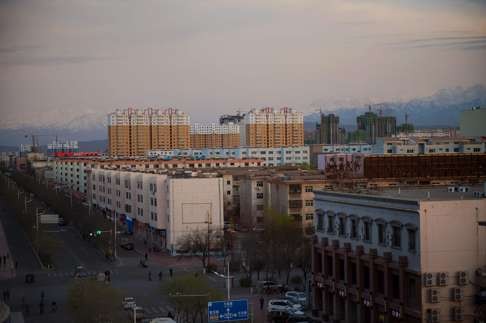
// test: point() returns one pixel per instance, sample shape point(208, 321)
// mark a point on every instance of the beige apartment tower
point(215, 136)
point(268, 127)
point(133, 132)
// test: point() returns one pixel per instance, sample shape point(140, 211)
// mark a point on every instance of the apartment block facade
point(272, 156)
point(132, 132)
point(73, 172)
point(428, 146)
point(215, 135)
point(268, 127)
point(401, 255)
point(160, 207)
point(375, 126)
point(328, 131)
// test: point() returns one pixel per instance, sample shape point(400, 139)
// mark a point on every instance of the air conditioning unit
point(457, 314)
point(462, 278)
point(428, 279)
point(434, 295)
point(442, 278)
point(451, 189)
point(433, 315)
point(457, 294)
point(463, 189)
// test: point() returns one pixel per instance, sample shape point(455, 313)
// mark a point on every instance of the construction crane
point(35, 140)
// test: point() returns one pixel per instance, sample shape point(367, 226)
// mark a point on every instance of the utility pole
point(114, 234)
point(207, 241)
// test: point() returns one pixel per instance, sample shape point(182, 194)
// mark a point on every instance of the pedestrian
point(42, 296)
point(160, 275)
point(4, 294)
point(41, 308)
point(262, 302)
point(146, 256)
point(149, 275)
point(7, 293)
point(4, 260)
point(22, 301)
point(170, 272)
point(16, 264)
point(53, 307)
point(169, 315)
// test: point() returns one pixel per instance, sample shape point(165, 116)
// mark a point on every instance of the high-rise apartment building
point(268, 127)
point(132, 132)
point(215, 135)
point(328, 131)
point(376, 126)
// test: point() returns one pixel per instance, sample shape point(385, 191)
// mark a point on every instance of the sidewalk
point(7, 271)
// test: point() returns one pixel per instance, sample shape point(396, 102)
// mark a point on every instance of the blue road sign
point(234, 310)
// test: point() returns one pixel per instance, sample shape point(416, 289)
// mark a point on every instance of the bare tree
point(200, 243)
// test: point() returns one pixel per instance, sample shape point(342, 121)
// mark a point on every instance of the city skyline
point(61, 59)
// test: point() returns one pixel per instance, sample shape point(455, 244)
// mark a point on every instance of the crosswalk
point(60, 274)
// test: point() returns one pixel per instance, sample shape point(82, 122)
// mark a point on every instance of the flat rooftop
point(422, 193)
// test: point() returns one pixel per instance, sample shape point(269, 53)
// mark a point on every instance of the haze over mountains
point(441, 109)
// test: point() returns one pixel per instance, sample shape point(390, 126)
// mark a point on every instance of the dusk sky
point(60, 59)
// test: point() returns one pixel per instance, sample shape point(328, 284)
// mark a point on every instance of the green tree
point(189, 295)
point(93, 301)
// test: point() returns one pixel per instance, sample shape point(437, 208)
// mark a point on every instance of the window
point(259, 196)
point(153, 187)
point(342, 226)
point(94, 187)
point(140, 198)
point(259, 183)
point(396, 236)
point(128, 195)
point(354, 228)
point(308, 189)
point(320, 221)
point(366, 230)
point(381, 233)
point(117, 180)
point(309, 203)
point(139, 211)
point(139, 185)
point(412, 236)
point(309, 216)
point(228, 182)
point(118, 193)
point(128, 208)
point(260, 207)
point(330, 224)
point(228, 192)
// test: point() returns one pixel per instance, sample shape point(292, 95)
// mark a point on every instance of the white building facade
point(161, 208)
point(272, 156)
point(399, 256)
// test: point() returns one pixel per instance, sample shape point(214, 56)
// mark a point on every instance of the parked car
point(297, 297)
point(128, 246)
point(128, 303)
point(279, 305)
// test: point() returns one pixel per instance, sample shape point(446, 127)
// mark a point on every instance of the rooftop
point(423, 193)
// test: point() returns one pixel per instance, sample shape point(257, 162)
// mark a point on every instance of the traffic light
point(91, 234)
point(98, 232)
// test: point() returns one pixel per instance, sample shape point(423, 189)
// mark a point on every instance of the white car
point(296, 297)
point(283, 305)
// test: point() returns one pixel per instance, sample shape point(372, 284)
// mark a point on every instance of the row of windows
point(386, 233)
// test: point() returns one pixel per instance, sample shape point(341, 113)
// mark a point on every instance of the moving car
point(269, 286)
point(80, 272)
point(127, 246)
point(296, 297)
point(139, 311)
point(128, 303)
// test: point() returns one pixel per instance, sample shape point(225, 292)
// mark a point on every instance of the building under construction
point(426, 166)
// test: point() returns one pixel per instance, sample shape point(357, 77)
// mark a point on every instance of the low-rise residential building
point(294, 195)
point(428, 146)
point(400, 255)
point(271, 156)
point(160, 206)
point(72, 172)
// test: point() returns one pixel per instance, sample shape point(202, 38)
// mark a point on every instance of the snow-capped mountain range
point(441, 109)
